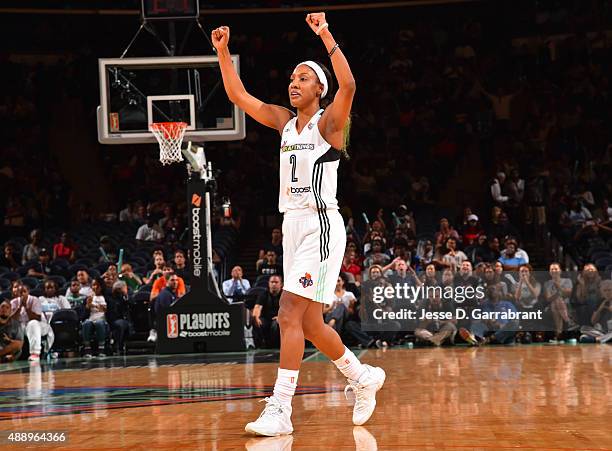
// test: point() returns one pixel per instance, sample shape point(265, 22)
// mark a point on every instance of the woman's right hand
point(220, 37)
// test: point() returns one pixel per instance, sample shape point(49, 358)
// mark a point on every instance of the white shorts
point(313, 249)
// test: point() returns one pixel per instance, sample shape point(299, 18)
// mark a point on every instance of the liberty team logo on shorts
point(306, 281)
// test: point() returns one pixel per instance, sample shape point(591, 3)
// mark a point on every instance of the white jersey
point(308, 168)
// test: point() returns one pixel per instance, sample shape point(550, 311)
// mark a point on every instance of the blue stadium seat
point(65, 324)
point(5, 284)
point(139, 313)
point(101, 267)
point(37, 292)
point(61, 263)
point(30, 282)
point(597, 248)
point(85, 261)
point(138, 261)
point(146, 256)
point(23, 270)
point(18, 240)
point(11, 275)
point(262, 281)
point(93, 273)
point(252, 296)
point(602, 263)
point(601, 254)
point(73, 269)
point(60, 281)
point(141, 296)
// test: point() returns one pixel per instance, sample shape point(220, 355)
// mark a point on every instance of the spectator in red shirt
point(351, 246)
point(161, 283)
point(349, 265)
point(471, 231)
point(65, 248)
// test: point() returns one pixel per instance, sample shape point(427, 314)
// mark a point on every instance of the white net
point(170, 137)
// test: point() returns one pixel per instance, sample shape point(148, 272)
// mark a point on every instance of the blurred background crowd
point(480, 154)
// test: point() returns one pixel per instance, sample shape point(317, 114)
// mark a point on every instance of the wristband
point(331, 52)
point(321, 28)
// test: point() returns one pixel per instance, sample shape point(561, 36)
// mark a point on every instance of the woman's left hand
point(316, 21)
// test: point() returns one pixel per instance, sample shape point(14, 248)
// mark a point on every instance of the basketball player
point(314, 237)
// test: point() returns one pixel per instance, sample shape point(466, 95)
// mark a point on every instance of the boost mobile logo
point(298, 190)
point(193, 325)
point(196, 201)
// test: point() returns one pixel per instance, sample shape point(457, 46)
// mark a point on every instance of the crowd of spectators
point(107, 289)
point(484, 256)
point(531, 109)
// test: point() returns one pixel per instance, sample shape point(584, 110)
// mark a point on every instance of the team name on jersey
point(293, 147)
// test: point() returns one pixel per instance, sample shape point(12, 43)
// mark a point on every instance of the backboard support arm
point(195, 156)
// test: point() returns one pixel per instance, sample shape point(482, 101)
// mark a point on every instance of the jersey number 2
point(293, 161)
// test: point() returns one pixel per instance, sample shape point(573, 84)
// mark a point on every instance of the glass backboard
point(135, 92)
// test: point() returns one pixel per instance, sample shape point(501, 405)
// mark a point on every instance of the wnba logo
point(172, 326)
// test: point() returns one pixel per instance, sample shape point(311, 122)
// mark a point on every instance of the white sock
point(284, 388)
point(349, 365)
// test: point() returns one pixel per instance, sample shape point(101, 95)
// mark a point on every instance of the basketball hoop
point(170, 137)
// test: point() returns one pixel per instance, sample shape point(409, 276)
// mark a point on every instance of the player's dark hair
point(328, 100)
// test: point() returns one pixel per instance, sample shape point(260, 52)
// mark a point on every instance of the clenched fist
point(316, 21)
point(220, 37)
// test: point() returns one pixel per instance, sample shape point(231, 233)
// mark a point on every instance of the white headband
point(320, 74)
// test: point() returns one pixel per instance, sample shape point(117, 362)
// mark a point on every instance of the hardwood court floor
point(523, 397)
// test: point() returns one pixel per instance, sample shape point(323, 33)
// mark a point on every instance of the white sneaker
point(280, 443)
point(605, 338)
point(364, 393)
point(152, 336)
point(34, 358)
point(274, 420)
point(364, 441)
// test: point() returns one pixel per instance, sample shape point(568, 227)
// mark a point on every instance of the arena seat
point(30, 282)
point(37, 292)
point(23, 270)
point(5, 284)
point(602, 263)
point(262, 281)
point(601, 254)
point(59, 280)
point(66, 326)
point(11, 275)
point(136, 260)
point(85, 261)
point(73, 269)
point(252, 295)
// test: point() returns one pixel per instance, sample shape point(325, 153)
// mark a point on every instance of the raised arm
point(272, 116)
point(337, 114)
